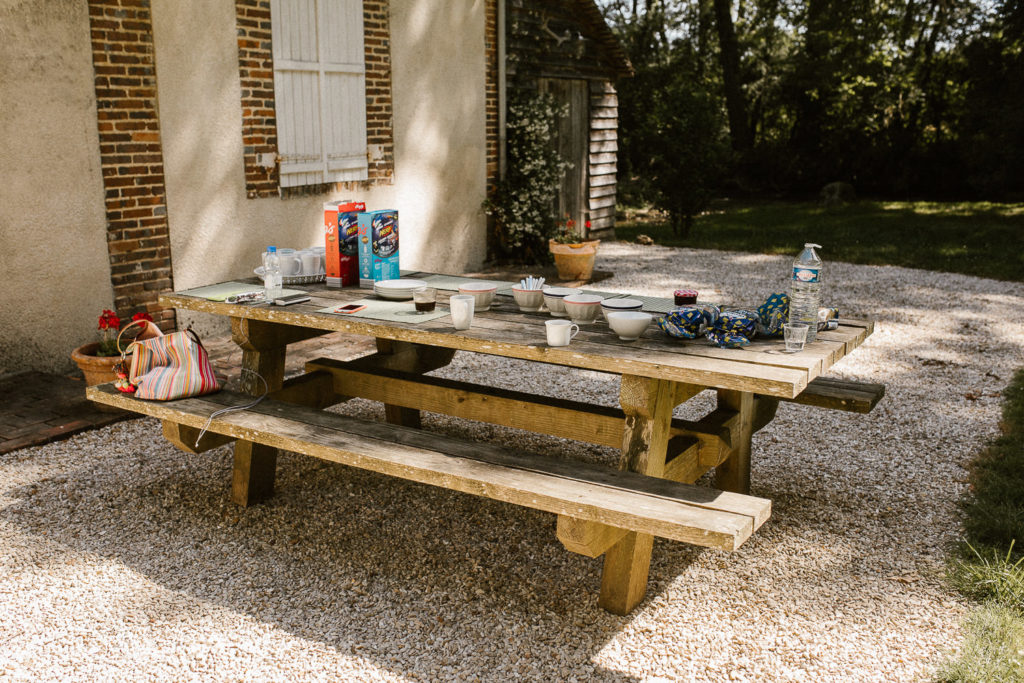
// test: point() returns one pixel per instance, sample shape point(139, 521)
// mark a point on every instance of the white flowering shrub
point(523, 203)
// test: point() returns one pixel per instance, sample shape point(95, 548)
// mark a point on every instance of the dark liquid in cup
point(425, 306)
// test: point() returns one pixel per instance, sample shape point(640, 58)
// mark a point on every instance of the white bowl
point(528, 299)
point(582, 308)
point(482, 293)
point(553, 299)
point(629, 325)
point(609, 305)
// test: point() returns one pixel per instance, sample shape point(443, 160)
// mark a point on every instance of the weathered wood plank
point(656, 506)
point(837, 394)
point(733, 474)
point(602, 425)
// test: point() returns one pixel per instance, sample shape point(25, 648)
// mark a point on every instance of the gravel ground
point(121, 559)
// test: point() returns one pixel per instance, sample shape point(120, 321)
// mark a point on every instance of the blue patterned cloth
point(733, 329)
point(772, 315)
point(688, 322)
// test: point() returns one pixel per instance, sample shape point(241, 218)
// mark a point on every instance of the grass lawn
point(990, 565)
point(974, 238)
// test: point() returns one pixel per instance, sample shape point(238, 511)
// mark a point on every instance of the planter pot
point(97, 369)
point(574, 261)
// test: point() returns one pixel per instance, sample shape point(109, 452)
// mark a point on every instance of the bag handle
point(146, 333)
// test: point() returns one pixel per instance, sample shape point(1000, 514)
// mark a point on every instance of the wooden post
point(263, 351)
point(734, 473)
point(648, 405)
point(411, 358)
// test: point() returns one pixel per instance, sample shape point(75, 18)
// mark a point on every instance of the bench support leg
point(409, 357)
point(734, 473)
point(648, 405)
point(252, 478)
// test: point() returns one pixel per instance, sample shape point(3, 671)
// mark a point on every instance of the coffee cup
point(461, 306)
point(560, 332)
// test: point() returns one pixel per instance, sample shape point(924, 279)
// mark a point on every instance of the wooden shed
point(564, 47)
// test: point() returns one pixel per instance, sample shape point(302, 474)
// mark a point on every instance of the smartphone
point(291, 299)
point(349, 308)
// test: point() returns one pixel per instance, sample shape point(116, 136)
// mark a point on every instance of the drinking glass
point(425, 299)
point(796, 336)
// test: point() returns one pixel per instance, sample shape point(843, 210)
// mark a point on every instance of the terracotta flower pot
point(97, 369)
point(574, 261)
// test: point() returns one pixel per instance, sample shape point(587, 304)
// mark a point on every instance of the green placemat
point(223, 290)
point(452, 282)
point(393, 311)
point(655, 304)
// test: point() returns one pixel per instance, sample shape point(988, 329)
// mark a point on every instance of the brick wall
point(131, 156)
point(259, 131)
point(491, 102)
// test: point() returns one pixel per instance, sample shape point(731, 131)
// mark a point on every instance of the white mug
point(560, 331)
point(291, 262)
point(462, 310)
point(310, 262)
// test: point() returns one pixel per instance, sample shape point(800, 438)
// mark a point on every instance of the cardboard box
point(378, 246)
point(341, 235)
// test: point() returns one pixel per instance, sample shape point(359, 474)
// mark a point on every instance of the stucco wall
point(217, 232)
point(54, 272)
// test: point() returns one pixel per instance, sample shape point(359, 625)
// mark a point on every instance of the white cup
point(560, 332)
point(462, 310)
point(291, 263)
point(310, 262)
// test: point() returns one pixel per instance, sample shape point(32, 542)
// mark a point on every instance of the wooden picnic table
point(657, 374)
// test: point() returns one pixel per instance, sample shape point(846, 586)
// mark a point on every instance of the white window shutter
point(319, 90)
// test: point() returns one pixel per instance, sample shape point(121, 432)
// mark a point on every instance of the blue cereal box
point(378, 246)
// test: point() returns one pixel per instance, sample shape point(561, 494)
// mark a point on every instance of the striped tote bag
point(166, 367)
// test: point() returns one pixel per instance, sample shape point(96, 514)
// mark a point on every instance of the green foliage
point(522, 203)
point(678, 139)
point(898, 98)
point(990, 575)
point(993, 649)
point(990, 563)
point(974, 238)
point(995, 508)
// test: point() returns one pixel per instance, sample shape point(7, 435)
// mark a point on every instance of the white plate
point(399, 285)
point(394, 296)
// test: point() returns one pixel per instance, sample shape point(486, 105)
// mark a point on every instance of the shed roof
point(592, 20)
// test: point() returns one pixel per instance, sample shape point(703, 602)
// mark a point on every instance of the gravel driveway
point(121, 559)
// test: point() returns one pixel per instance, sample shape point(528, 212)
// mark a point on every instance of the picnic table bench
point(600, 510)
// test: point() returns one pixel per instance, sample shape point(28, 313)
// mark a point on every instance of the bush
point(522, 204)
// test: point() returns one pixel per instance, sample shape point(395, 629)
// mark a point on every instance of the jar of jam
point(685, 297)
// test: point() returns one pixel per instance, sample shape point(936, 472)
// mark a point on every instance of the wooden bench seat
point(627, 500)
point(840, 394)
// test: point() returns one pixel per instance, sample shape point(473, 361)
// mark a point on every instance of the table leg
point(734, 473)
point(252, 477)
point(648, 405)
point(409, 357)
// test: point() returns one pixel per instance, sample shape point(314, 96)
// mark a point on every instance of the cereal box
point(341, 235)
point(378, 246)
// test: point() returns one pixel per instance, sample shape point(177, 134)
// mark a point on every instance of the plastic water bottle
point(805, 290)
point(272, 274)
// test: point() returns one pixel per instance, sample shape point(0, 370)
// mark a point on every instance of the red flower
point(142, 315)
point(587, 223)
point(109, 320)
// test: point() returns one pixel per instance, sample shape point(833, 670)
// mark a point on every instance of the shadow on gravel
point(414, 579)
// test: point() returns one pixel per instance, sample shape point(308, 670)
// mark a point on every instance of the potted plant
point(96, 359)
point(574, 253)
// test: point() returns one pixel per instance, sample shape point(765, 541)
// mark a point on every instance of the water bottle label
point(805, 274)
